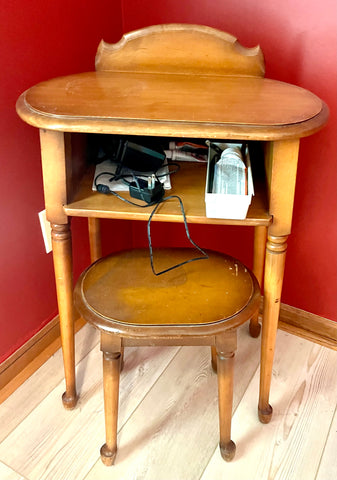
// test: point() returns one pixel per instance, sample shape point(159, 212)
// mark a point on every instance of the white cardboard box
point(220, 205)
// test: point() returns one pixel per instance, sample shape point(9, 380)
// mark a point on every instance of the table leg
point(94, 226)
point(260, 239)
point(273, 279)
point(62, 254)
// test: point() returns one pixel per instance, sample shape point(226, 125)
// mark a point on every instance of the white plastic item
point(230, 173)
point(179, 155)
point(222, 205)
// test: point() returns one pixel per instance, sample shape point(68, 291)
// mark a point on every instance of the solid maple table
point(173, 81)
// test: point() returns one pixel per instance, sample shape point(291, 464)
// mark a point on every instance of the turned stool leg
point(214, 359)
point(111, 370)
point(122, 358)
point(225, 367)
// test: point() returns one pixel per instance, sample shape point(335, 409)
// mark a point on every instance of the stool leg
point(111, 370)
point(122, 358)
point(214, 359)
point(225, 367)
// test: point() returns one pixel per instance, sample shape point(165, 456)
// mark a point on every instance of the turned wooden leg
point(274, 270)
point(94, 227)
point(214, 359)
point(111, 369)
point(225, 360)
point(260, 239)
point(62, 255)
point(122, 358)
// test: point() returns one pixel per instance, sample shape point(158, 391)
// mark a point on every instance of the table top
point(173, 105)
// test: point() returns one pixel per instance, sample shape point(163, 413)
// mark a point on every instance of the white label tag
point(46, 231)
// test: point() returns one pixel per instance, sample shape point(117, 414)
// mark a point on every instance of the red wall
point(41, 40)
point(299, 43)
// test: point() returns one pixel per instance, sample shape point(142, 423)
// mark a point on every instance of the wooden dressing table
point(173, 81)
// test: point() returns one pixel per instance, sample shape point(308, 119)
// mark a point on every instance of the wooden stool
point(200, 303)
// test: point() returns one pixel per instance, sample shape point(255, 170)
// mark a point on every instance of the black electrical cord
point(102, 188)
point(205, 255)
point(131, 173)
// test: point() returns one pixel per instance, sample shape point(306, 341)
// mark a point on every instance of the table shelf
point(188, 183)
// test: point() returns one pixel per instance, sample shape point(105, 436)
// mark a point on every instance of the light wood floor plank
point(52, 443)
point(328, 466)
point(303, 397)
point(168, 417)
point(174, 432)
point(28, 396)
point(7, 473)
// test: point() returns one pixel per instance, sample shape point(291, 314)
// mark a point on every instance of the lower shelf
point(188, 184)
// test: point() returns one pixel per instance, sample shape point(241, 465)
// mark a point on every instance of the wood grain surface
point(169, 420)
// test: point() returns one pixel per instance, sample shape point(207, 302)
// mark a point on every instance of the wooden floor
point(168, 422)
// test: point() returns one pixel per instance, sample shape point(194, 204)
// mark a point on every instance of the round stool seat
point(121, 294)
